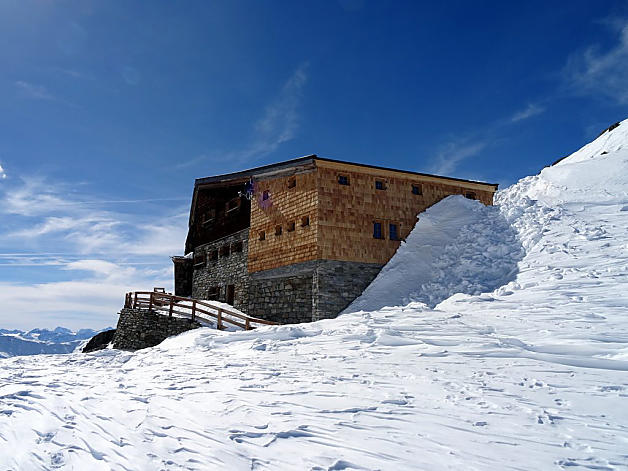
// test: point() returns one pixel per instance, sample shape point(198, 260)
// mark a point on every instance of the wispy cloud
point(529, 111)
point(278, 124)
point(40, 92)
point(3, 174)
point(602, 71)
point(453, 152)
point(281, 118)
point(32, 90)
point(92, 299)
point(103, 247)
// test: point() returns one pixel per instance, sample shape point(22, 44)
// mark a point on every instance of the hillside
point(496, 338)
point(41, 341)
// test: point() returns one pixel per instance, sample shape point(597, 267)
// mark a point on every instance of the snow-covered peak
point(597, 173)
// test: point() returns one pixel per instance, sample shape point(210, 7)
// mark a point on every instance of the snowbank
point(457, 246)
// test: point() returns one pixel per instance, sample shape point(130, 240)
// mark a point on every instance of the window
point(224, 251)
point(393, 231)
point(208, 217)
point(470, 195)
point(416, 189)
point(305, 221)
point(380, 185)
point(262, 235)
point(199, 259)
point(377, 230)
point(213, 293)
point(233, 205)
point(343, 179)
point(236, 247)
point(265, 195)
point(213, 255)
point(292, 183)
point(278, 230)
point(291, 226)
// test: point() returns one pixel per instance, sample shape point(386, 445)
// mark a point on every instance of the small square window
point(305, 221)
point(236, 247)
point(292, 183)
point(291, 226)
point(213, 255)
point(380, 185)
point(199, 259)
point(213, 293)
point(470, 195)
point(224, 251)
point(265, 195)
point(278, 230)
point(262, 235)
point(343, 179)
point(393, 231)
point(417, 190)
point(377, 230)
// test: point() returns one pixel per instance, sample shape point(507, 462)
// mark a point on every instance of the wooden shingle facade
point(305, 236)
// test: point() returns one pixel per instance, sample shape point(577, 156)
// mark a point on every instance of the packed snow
point(497, 342)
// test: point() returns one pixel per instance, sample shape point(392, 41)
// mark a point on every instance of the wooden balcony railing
point(194, 309)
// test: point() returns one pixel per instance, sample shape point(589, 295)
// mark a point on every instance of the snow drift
point(531, 374)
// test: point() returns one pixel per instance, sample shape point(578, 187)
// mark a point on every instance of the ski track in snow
point(526, 367)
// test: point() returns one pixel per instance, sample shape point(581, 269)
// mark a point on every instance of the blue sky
point(110, 110)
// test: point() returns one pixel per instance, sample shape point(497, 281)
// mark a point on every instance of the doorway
point(230, 294)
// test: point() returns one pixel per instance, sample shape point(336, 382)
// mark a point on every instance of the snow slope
point(532, 374)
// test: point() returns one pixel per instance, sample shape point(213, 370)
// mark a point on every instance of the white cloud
point(32, 90)
point(92, 302)
point(453, 153)
point(39, 92)
point(3, 174)
point(100, 249)
point(602, 71)
point(279, 123)
point(528, 112)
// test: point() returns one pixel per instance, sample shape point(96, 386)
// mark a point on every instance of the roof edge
point(313, 157)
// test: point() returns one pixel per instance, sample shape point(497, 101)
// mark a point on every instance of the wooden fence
point(165, 303)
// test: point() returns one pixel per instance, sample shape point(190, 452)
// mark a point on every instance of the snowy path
point(529, 375)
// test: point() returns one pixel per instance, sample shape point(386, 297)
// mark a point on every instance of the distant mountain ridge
point(42, 341)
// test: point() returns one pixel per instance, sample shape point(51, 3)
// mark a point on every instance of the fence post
point(171, 305)
point(150, 302)
point(247, 324)
point(135, 301)
point(193, 310)
point(219, 322)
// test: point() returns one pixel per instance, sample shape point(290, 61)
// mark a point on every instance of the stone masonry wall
point(141, 328)
point(336, 284)
point(282, 294)
point(226, 270)
point(308, 291)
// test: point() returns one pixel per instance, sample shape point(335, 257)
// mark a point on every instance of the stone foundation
point(282, 294)
point(336, 284)
point(308, 291)
point(140, 328)
point(291, 294)
point(214, 276)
